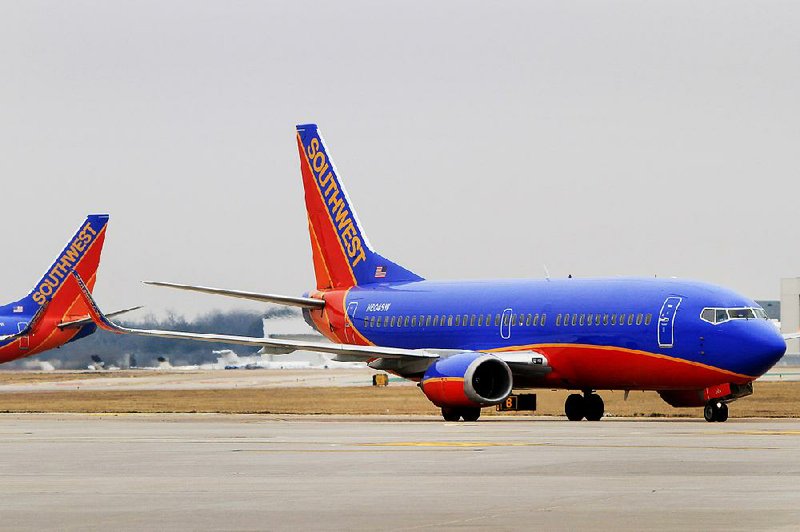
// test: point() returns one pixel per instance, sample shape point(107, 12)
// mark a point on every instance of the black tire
point(594, 407)
point(710, 411)
point(471, 414)
point(574, 407)
point(722, 413)
point(451, 414)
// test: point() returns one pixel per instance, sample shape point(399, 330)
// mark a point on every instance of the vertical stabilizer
point(342, 254)
point(82, 254)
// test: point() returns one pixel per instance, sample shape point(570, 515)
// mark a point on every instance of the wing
point(303, 302)
point(271, 345)
point(791, 336)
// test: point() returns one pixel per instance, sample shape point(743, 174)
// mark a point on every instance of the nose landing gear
point(715, 411)
point(589, 406)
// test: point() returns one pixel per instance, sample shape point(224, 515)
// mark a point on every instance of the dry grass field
point(771, 399)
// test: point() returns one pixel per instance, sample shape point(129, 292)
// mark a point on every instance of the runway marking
point(463, 444)
point(453, 444)
point(764, 432)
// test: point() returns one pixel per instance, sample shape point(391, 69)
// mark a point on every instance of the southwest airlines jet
point(54, 313)
point(469, 343)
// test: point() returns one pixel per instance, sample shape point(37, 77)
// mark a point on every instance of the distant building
point(790, 311)
point(772, 308)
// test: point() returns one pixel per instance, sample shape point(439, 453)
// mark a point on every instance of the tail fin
point(82, 254)
point(342, 254)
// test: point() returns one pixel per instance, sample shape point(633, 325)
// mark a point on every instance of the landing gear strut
point(589, 406)
point(467, 414)
point(715, 411)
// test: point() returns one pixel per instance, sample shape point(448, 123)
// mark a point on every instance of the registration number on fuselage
point(378, 307)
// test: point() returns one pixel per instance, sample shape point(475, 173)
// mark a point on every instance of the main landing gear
point(715, 411)
point(467, 414)
point(589, 406)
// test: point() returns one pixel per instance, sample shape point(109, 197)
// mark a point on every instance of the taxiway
point(253, 472)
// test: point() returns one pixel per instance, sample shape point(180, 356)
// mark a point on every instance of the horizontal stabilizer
point(791, 336)
point(273, 345)
point(77, 324)
point(292, 301)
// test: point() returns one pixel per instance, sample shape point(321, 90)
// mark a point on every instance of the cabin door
point(666, 321)
point(349, 334)
point(505, 324)
point(24, 341)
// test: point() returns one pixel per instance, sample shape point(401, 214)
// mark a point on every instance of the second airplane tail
point(342, 254)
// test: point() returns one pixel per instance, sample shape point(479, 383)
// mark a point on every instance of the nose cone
point(767, 346)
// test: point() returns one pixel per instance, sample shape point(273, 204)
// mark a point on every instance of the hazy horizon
point(476, 140)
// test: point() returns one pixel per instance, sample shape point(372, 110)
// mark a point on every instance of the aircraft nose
point(769, 346)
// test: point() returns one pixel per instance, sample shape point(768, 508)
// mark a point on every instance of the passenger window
point(558, 320)
point(605, 319)
point(464, 319)
point(528, 320)
point(580, 320)
point(535, 320)
point(639, 318)
point(622, 319)
point(391, 322)
point(488, 319)
point(472, 321)
point(630, 319)
point(378, 322)
point(613, 319)
point(597, 319)
point(386, 321)
point(413, 321)
point(480, 320)
point(496, 320)
point(566, 319)
point(648, 318)
point(544, 319)
point(449, 321)
point(458, 321)
point(575, 319)
point(514, 319)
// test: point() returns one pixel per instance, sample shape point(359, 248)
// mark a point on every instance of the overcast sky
point(477, 139)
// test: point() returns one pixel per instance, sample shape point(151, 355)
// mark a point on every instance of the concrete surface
point(211, 472)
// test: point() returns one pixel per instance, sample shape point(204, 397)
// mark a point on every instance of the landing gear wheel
point(471, 414)
point(451, 414)
point(715, 411)
point(574, 407)
point(594, 407)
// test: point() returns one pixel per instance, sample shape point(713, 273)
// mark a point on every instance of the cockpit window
point(720, 315)
point(741, 314)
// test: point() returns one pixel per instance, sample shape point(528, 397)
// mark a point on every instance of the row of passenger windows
point(589, 320)
point(719, 315)
point(445, 320)
point(526, 320)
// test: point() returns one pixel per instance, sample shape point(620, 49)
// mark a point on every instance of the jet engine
point(467, 380)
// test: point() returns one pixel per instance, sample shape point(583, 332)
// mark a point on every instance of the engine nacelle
point(467, 380)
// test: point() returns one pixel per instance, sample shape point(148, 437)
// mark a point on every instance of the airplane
point(54, 313)
point(468, 344)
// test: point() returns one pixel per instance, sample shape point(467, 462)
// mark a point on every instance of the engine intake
point(467, 379)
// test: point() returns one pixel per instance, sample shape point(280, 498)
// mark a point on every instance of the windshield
point(720, 315)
